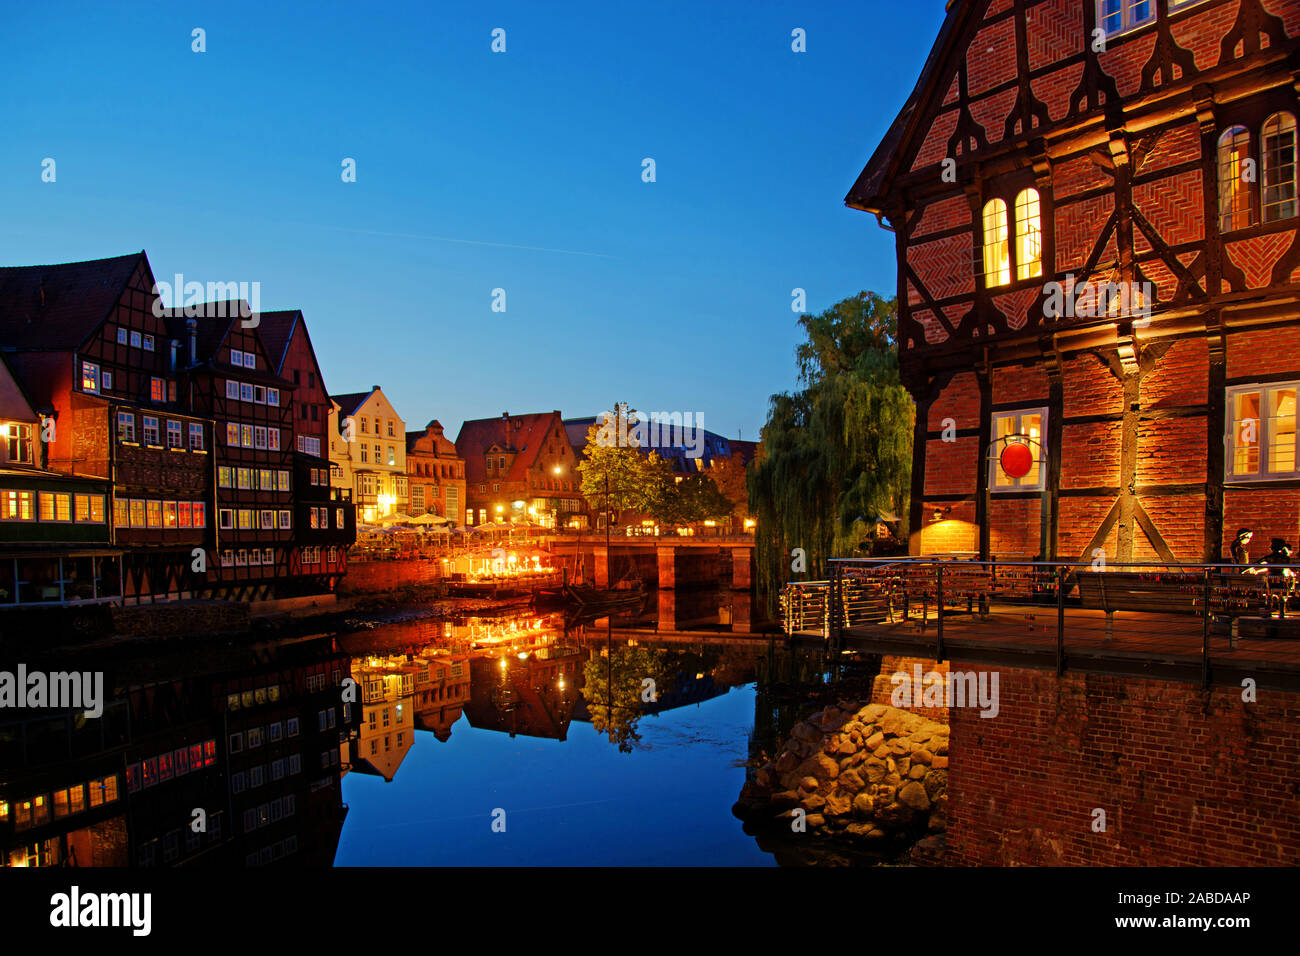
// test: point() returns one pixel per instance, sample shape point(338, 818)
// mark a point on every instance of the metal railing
point(1050, 598)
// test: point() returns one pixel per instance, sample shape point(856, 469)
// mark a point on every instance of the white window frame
point(1263, 432)
point(995, 450)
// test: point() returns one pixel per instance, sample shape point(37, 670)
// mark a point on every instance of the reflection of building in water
point(387, 728)
point(210, 731)
point(442, 689)
point(525, 675)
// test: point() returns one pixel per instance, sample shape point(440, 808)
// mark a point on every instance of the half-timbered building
point(1098, 242)
point(324, 516)
point(93, 354)
point(230, 379)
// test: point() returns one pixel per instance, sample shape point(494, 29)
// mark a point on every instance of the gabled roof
point(432, 440)
point(15, 406)
point(349, 402)
point(874, 182)
point(57, 307)
point(520, 435)
point(276, 330)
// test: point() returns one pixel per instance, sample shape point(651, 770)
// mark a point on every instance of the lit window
point(1278, 143)
point(1116, 16)
point(90, 378)
point(997, 252)
point(1262, 432)
point(125, 426)
point(1029, 235)
point(157, 390)
point(1025, 427)
point(232, 434)
point(1234, 173)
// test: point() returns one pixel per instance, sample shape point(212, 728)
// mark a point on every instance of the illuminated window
point(1278, 144)
point(1029, 235)
point(1261, 432)
point(157, 390)
point(1116, 16)
point(232, 434)
point(18, 443)
point(90, 378)
point(997, 253)
point(1234, 174)
point(1024, 427)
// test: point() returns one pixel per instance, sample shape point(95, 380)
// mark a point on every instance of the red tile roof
point(521, 435)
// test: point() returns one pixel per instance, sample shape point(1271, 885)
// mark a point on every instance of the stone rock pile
point(868, 771)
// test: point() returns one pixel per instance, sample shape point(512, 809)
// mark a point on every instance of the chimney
point(192, 325)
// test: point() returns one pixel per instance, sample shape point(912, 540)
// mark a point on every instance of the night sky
point(477, 171)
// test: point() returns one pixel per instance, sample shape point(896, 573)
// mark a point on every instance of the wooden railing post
point(938, 600)
point(1060, 620)
point(833, 599)
point(1205, 633)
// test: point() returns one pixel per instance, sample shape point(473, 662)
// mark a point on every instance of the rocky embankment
point(866, 771)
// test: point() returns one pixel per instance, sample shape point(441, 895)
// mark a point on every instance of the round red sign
point(1016, 460)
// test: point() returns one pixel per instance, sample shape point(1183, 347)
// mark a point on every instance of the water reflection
point(241, 755)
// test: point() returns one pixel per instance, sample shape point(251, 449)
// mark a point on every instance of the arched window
point(1234, 178)
point(1277, 140)
point(1029, 235)
point(997, 251)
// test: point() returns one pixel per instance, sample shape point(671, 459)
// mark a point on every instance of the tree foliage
point(616, 475)
point(838, 452)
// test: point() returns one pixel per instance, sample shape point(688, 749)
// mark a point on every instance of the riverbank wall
point(1116, 770)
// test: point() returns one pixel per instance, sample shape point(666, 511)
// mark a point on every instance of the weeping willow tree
point(837, 454)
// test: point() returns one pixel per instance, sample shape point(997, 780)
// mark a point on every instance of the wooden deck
point(1167, 646)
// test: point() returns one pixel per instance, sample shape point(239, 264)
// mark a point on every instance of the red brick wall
point(1015, 527)
point(1264, 351)
point(1079, 520)
point(378, 576)
point(1181, 377)
point(960, 401)
point(1090, 387)
point(1092, 455)
point(882, 689)
point(950, 466)
point(1272, 513)
point(1023, 384)
point(1186, 778)
point(1171, 450)
point(957, 532)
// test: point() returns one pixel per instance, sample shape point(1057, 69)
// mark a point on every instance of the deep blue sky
point(671, 295)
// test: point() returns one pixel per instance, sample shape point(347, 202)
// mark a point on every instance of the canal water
point(481, 739)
